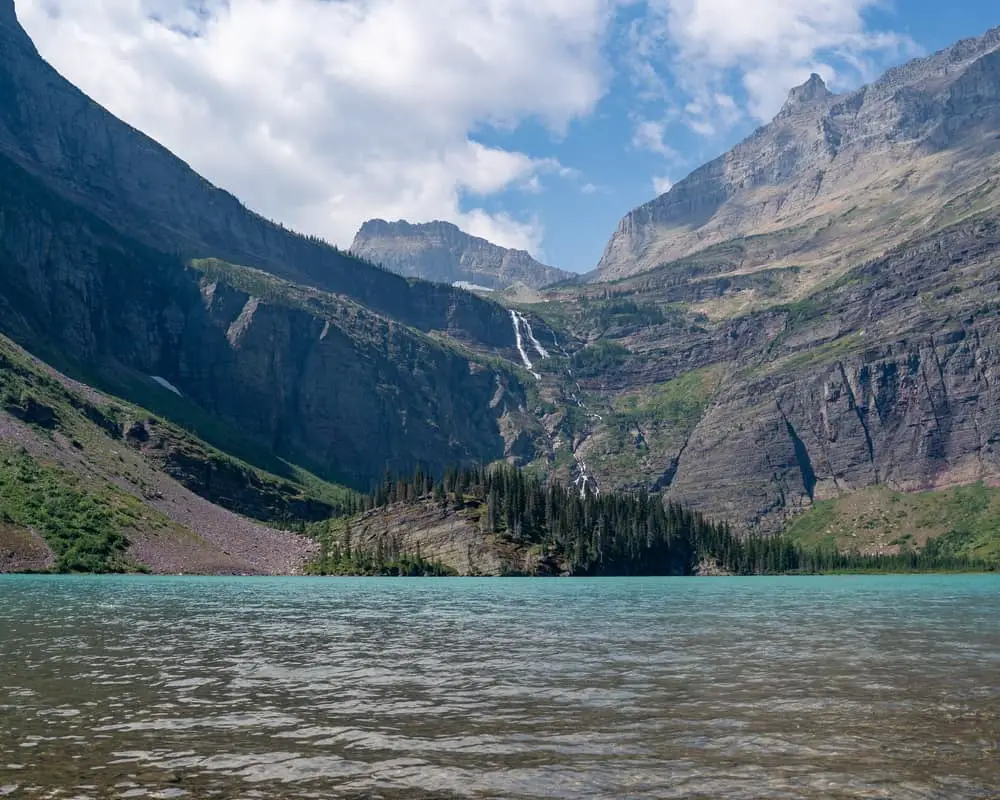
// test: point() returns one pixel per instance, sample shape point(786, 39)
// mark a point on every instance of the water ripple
point(664, 688)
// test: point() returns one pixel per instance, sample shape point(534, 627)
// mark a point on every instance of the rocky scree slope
point(440, 251)
point(90, 482)
point(834, 179)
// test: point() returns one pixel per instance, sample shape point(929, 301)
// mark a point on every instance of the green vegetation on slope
point(962, 522)
point(679, 402)
point(84, 525)
point(598, 358)
point(340, 554)
point(36, 395)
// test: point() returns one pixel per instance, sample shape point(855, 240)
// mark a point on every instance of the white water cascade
point(584, 478)
point(518, 320)
point(531, 336)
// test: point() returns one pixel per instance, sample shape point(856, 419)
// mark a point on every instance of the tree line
point(612, 534)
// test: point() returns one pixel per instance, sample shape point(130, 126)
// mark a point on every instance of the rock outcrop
point(440, 251)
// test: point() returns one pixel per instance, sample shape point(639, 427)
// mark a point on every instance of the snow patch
point(166, 385)
point(471, 287)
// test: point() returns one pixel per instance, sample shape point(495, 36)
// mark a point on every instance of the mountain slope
point(322, 380)
point(335, 363)
point(76, 147)
point(804, 357)
point(888, 376)
point(91, 482)
point(440, 251)
point(835, 178)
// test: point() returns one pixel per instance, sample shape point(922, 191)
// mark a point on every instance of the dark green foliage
point(773, 555)
point(622, 313)
point(598, 358)
point(608, 534)
point(83, 526)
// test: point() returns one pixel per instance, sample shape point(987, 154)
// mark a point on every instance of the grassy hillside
point(963, 521)
point(83, 522)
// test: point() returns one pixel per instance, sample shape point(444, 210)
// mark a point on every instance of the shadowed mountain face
point(835, 178)
point(87, 155)
point(439, 251)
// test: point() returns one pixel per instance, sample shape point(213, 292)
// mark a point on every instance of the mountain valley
point(812, 317)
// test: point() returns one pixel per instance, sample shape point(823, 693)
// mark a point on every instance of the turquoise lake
point(825, 687)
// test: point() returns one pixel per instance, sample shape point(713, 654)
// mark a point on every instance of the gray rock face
point(903, 146)
point(440, 251)
point(891, 376)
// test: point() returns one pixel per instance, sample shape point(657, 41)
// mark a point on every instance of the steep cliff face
point(891, 376)
point(440, 251)
point(312, 375)
point(874, 164)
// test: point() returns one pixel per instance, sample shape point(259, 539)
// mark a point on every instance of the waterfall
point(517, 319)
point(531, 336)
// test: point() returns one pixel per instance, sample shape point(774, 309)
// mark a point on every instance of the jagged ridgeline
point(557, 530)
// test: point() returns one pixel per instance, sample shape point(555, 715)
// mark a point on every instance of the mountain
point(812, 316)
point(122, 263)
point(756, 365)
point(440, 251)
point(835, 178)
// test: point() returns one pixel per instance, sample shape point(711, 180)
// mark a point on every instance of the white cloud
point(649, 136)
point(692, 51)
point(662, 184)
point(322, 114)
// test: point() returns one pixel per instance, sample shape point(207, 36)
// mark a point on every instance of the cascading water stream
point(583, 478)
point(515, 319)
point(531, 336)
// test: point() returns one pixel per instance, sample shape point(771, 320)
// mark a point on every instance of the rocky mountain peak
point(812, 91)
point(11, 30)
point(441, 251)
point(825, 155)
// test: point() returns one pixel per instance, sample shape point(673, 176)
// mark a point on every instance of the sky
point(537, 124)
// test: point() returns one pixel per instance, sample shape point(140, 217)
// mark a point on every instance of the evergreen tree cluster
point(613, 534)
point(591, 534)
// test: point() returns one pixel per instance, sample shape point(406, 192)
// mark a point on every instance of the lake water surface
point(834, 687)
